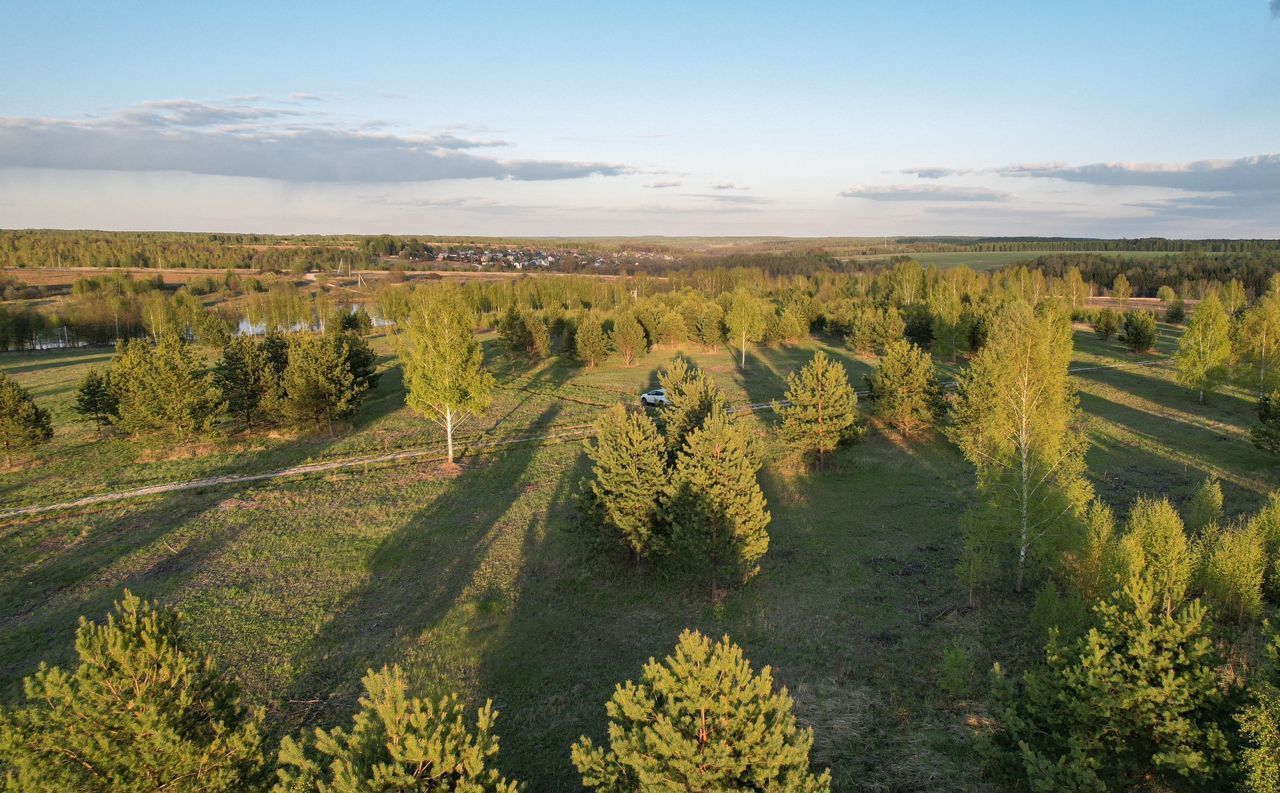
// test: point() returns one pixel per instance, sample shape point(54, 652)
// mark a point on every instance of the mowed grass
point(485, 583)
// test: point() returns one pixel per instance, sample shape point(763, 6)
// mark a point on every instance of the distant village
point(518, 258)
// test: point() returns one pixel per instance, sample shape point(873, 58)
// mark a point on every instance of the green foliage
point(714, 505)
point(1015, 420)
point(1106, 324)
point(701, 721)
point(1138, 332)
point(904, 389)
point(1134, 702)
point(397, 743)
point(1259, 723)
point(1093, 569)
point(444, 373)
point(95, 400)
point(1266, 433)
point(524, 331)
point(1155, 548)
point(1175, 313)
point(1204, 351)
point(691, 397)
point(591, 343)
point(139, 712)
point(628, 474)
point(327, 377)
point(746, 320)
point(1166, 294)
point(250, 376)
point(164, 389)
point(1205, 507)
point(821, 410)
point(1232, 573)
point(24, 425)
point(955, 671)
point(1120, 289)
point(628, 338)
point(1257, 345)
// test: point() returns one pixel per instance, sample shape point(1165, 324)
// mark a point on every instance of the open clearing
point(485, 582)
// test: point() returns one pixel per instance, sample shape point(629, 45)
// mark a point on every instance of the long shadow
point(41, 603)
point(1142, 383)
point(760, 379)
point(74, 358)
point(416, 576)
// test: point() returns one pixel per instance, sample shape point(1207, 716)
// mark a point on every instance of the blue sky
point(1084, 118)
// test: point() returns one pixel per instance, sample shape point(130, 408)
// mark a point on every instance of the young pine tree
point(1106, 324)
point(691, 397)
point(95, 400)
point(1260, 725)
point(1015, 420)
point(24, 425)
point(248, 378)
point(140, 712)
point(1266, 433)
point(591, 343)
point(904, 389)
point(1135, 703)
point(821, 409)
point(628, 338)
point(1205, 508)
point(1232, 573)
point(164, 389)
point(627, 476)
point(1155, 547)
point(1204, 351)
point(714, 505)
point(701, 720)
point(397, 742)
point(1138, 331)
point(444, 363)
point(327, 377)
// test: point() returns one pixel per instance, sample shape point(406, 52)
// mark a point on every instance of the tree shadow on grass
point(418, 578)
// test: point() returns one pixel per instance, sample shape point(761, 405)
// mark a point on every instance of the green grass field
point(485, 583)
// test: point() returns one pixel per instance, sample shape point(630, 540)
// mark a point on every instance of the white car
point(655, 398)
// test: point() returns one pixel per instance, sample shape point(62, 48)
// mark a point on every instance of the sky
point(1119, 118)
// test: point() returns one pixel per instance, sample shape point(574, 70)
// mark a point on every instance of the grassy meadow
point(485, 583)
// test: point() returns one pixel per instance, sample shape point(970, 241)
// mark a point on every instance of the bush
point(1105, 323)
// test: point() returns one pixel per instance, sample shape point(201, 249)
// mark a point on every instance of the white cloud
point(923, 193)
point(1260, 172)
point(252, 139)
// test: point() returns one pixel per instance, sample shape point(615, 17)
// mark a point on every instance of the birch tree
point(444, 364)
point(1204, 352)
point(1014, 420)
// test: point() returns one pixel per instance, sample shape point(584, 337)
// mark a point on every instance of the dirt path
point(424, 454)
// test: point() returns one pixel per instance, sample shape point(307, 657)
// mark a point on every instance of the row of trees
point(142, 711)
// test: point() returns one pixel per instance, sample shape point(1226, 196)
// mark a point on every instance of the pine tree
point(1204, 351)
point(1106, 323)
point(444, 371)
point(397, 743)
point(745, 320)
point(709, 324)
point(1205, 508)
point(821, 409)
point(140, 712)
point(591, 343)
point(888, 328)
point(628, 475)
point(1232, 573)
point(714, 505)
point(1134, 703)
point(700, 721)
point(1266, 433)
point(327, 377)
point(1155, 547)
point(164, 389)
point(628, 338)
point(1138, 331)
point(24, 425)
point(691, 397)
point(248, 378)
point(904, 389)
point(95, 400)
point(1014, 420)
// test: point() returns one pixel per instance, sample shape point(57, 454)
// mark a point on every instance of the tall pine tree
point(95, 400)
point(627, 476)
point(714, 505)
point(904, 388)
point(691, 397)
point(821, 409)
